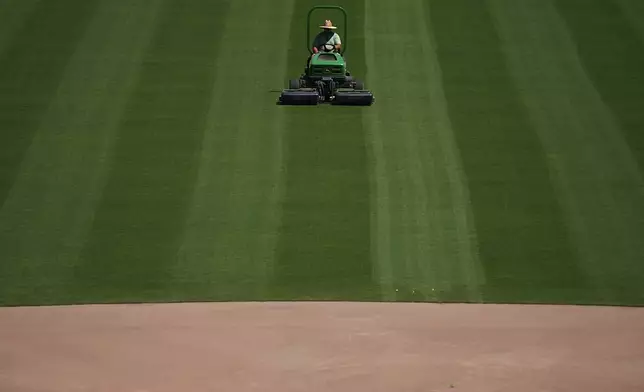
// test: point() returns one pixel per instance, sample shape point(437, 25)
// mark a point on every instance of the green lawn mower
point(326, 78)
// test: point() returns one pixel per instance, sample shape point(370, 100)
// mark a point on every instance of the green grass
point(523, 242)
point(30, 67)
point(143, 158)
point(140, 217)
point(613, 55)
point(323, 250)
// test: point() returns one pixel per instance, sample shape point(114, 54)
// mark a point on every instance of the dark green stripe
point(613, 57)
point(30, 71)
point(139, 223)
point(523, 242)
point(324, 250)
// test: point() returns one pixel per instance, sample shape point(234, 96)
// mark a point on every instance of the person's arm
point(337, 42)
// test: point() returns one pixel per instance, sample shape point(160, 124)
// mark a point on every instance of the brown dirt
point(321, 347)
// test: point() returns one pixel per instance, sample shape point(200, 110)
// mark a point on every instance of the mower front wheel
point(359, 85)
point(294, 84)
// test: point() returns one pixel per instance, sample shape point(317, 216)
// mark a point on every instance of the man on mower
point(327, 37)
point(326, 40)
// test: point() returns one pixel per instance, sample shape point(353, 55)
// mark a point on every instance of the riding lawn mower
point(326, 78)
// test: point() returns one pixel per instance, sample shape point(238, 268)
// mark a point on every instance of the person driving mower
point(327, 37)
point(326, 40)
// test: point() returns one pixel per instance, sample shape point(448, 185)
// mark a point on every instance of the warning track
point(321, 347)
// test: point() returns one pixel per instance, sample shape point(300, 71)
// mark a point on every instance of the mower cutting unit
point(326, 79)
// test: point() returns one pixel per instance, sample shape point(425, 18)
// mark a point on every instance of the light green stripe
point(595, 173)
point(381, 234)
point(458, 218)
point(421, 204)
point(48, 212)
point(13, 14)
point(233, 224)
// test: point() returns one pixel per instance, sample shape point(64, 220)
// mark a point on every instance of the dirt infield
point(321, 347)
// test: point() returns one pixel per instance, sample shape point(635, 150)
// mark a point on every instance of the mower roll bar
point(308, 25)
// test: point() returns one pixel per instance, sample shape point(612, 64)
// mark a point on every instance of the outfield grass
point(143, 158)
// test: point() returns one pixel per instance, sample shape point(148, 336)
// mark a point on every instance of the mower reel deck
point(326, 91)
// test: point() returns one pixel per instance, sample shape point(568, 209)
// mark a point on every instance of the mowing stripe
point(613, 56)
point(48, 212)
point(324, 246)
point(138, 225)
point(231, 234)
point(464, 229)
point(30, 69)
point(425, 200)
point(593, 168)
point(381, 250)
point(13, 15)
point(381, 231)
point(522, 237)
point(633, 10)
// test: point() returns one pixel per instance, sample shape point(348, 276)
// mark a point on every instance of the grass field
point(143, 158)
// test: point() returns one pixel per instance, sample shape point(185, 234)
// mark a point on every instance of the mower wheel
point(294, 84)
point(359, 85)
